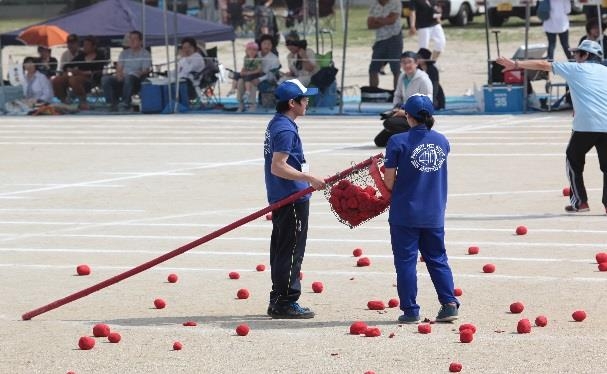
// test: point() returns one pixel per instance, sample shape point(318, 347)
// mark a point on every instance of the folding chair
point(209, 79)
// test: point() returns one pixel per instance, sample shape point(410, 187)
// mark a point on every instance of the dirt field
point(114, 192)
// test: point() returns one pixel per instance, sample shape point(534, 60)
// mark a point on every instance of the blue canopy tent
point(109, 20)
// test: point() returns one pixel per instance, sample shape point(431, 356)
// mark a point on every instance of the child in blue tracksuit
point(416, 172)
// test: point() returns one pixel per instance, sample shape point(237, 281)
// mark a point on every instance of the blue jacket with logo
point(419, 195)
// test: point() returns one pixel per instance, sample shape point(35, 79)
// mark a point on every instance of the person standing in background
point(558, 25)
point(425, 21)
point(384, 18)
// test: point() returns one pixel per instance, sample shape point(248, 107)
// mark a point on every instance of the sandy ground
point(114, 192)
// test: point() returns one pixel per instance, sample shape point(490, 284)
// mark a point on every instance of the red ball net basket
point(359, 196)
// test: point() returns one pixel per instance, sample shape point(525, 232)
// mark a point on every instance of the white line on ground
point(265, 254)
point(269, 226)
point(324, 272)
point(318, 240)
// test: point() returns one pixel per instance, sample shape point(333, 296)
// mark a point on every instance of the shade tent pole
point(166, 47)
point(343, 57)
point(143, 28)
point(489, 80)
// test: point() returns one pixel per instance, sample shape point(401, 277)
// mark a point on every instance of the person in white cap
point(587, 80)
point(285, 174)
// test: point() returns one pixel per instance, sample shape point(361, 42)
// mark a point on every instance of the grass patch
point(7, 25)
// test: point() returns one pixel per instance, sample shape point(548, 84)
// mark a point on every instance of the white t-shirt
point(559, 17)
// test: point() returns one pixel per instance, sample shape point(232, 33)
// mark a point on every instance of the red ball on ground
point(177, 346)
point(190, 323)
point(86, 342)
point(523, 326)
point(234, 275)
point(541, 321)
point(466, 336)
point(242, 330)
point(458, 292)
point(160, 304)
point(473, 250)
point(579, 315)
point(71, 372)
point(601, 257)
point(517, 307)
point(369, 371)
point(317, 287)
point(357, 252)
point(455, 367)
point(566, 191)
point(358, 327)
point(372, 332)
point(521, 230)
point(467, 326)
point(363, 261)
point(83, 270)
point(488, 268)
point(603, 266)
point(376, 305)
point(393, 303)
point(243, 293)
point(260, 267)
point(101, 330)
point(114, 337)
point(269, 216)
point(172, 278)
point(424, 328)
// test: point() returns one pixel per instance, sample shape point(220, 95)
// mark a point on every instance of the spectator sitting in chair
point(269, 68)
point(81, 74)
point(73, 48)
point(45, 63)
point(301, 60)
point(248, 78)
point(594, 33)
point(190, 65)
point(133, 66)
point(411, 81)
point(37, 87)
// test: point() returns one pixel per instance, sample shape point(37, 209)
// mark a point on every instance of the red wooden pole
point(176, 252)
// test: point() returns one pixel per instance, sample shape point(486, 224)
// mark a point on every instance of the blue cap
point(589, 46)
point(292, 89)
point(418, 103)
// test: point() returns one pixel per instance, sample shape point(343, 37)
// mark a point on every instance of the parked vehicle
point(498, 11)
point(458, 12)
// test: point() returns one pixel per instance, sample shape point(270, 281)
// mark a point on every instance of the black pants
point(392, 125)
point(287, 247)
point(579, 144)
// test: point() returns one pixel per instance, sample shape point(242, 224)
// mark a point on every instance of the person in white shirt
point(558, 25)
point(36, 87)
point(190, 64)
point(73, 48)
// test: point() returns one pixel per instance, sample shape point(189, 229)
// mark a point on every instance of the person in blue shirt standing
point(587, 80)
point(416, 172)
point(286, 173)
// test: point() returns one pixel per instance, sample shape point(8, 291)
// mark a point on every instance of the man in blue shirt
point(285, 174)
point(587, 80)
point(416, 172)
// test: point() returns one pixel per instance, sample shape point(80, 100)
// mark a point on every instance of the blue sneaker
point(447, 313)
point(289, 311)
point(408, 319)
